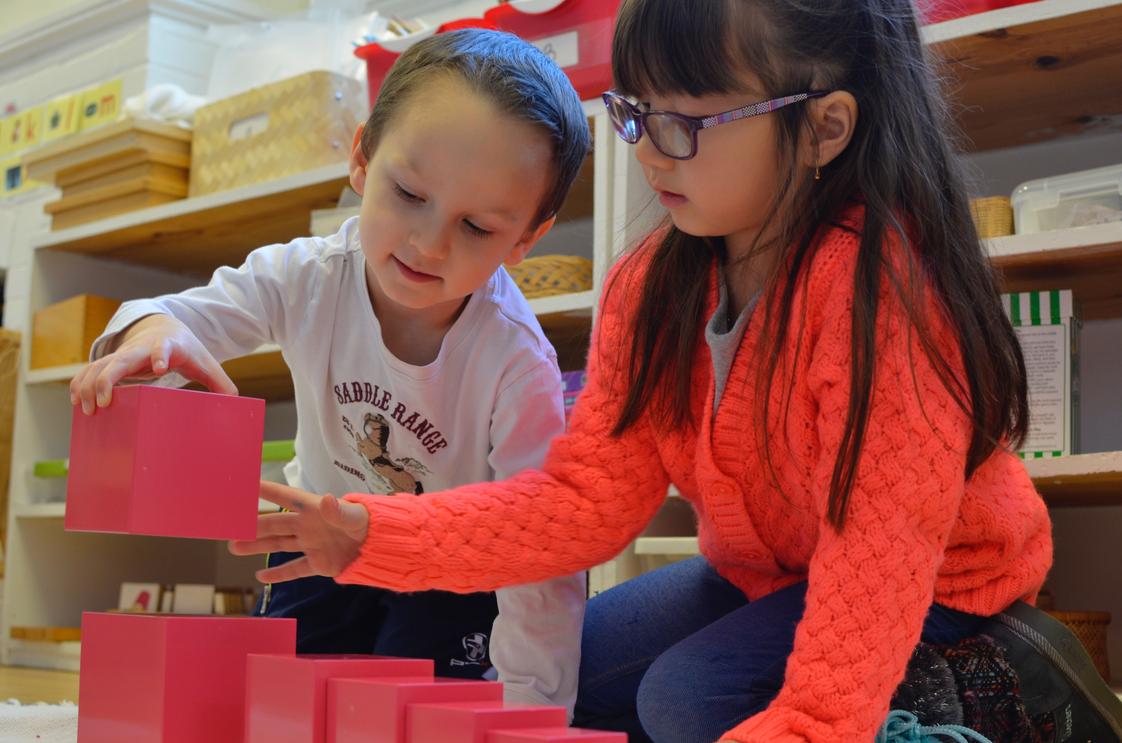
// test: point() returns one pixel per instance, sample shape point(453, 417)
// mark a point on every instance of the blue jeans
point(453, 629)
point(680, 655)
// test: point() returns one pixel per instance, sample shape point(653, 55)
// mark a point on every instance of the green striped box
point(1048, 329)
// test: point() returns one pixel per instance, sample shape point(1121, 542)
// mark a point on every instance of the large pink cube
point(374, 710)
point(555, 735)
point(469, 722)
point(167, 462)
point(158, 678)
point(286, 696)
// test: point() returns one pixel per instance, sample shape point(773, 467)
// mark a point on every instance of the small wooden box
point(109, 148)
point(63, 333)
point(132, 164)
point(280, 129)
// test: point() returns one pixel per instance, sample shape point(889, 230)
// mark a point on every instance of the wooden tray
point(105, 201)
point(105, 144)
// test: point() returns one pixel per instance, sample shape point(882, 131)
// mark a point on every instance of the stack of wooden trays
point(131, 164)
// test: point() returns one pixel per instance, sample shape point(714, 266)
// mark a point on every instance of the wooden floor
point(29, 685)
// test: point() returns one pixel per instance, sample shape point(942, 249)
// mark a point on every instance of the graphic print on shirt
point(475, 651)
point(377, 425)
point(400, 475)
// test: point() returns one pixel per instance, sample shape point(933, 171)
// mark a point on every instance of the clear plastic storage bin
point(1073, 200)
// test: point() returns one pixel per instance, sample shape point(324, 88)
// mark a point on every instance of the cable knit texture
point(915, 530)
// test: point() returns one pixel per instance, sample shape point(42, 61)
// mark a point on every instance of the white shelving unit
point(53, 575)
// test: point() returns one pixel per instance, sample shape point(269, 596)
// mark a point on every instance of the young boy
point(417, 363)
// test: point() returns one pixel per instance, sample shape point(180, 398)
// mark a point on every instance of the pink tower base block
point(286, 696)
point(166, 462)
point(555, 735)
point(374, 710)
point(469, 722)
point(152, 678)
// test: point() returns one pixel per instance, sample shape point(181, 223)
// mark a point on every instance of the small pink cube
point(172, 679)
point(167, 462)
point(374, 710)
point(470, 722)
point(286, 696)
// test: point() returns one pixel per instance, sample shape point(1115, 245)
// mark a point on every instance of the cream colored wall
point(16, 13)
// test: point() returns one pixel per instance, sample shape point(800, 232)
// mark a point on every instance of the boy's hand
point(329, 532)
point(153, 346)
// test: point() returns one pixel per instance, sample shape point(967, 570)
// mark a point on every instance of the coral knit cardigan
point(916, 531)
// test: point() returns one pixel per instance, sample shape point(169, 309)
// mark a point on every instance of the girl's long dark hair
point(901, 162)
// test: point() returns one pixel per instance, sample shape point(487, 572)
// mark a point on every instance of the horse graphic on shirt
point(373, 445)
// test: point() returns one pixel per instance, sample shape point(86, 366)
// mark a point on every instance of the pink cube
point(374, 710)
point(158, 678)
point(555, 735)
point(167, 462)
point(286, 698)
point(469, 722)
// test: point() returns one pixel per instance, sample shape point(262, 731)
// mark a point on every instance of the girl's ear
point(832, 120)
point(358, 163)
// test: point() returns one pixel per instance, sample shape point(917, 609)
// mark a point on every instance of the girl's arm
point(592, 497)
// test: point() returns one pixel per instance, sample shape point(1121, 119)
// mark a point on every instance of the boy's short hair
point(515, 75)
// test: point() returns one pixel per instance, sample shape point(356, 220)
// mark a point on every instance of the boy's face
point(447, 196)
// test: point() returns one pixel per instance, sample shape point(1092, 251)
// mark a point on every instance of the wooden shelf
point(40, 511)
point(1087, 260)
point(1033, 72)
point(197, 235)
point(260, 374)
point(1079, 479)
point(564, 310)
point(666, 546)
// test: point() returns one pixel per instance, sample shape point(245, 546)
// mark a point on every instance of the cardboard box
point(1048, 329)
point(62, 333)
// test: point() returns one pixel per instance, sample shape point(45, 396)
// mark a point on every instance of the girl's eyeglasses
point(674, 134)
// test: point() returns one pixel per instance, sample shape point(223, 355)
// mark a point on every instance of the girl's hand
point(329, 532)
point(151, 347)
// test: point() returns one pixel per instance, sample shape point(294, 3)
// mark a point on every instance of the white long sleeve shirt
point(484, 409)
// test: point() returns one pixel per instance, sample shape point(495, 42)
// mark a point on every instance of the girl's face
point(728, 187)
point(448, 195)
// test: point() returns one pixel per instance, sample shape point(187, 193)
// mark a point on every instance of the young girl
point(813, 351)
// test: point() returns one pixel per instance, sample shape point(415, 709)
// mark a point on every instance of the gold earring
point(817, 173)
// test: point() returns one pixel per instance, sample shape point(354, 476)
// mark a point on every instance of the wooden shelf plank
point(1079, 479)
point(260, 374)
point(40, 511)
point(563, 304)
point(196, 235)
point(1034, 72)
point(666, 546)
point(1087, 260)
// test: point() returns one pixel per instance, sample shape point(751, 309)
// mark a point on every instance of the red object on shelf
point(167, 462)
point(937, 11)
point(555, 735)
point(286, 695)
point(375, 710)
point(174, 679)
point(469, 722)
point(577, 34)
point(379, 59)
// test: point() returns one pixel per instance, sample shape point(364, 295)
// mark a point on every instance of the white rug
point(38, 723)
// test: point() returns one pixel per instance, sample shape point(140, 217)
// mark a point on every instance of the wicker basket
point(1090, 627)
point(993, 216)
point(275, 130)
point(546, 275)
